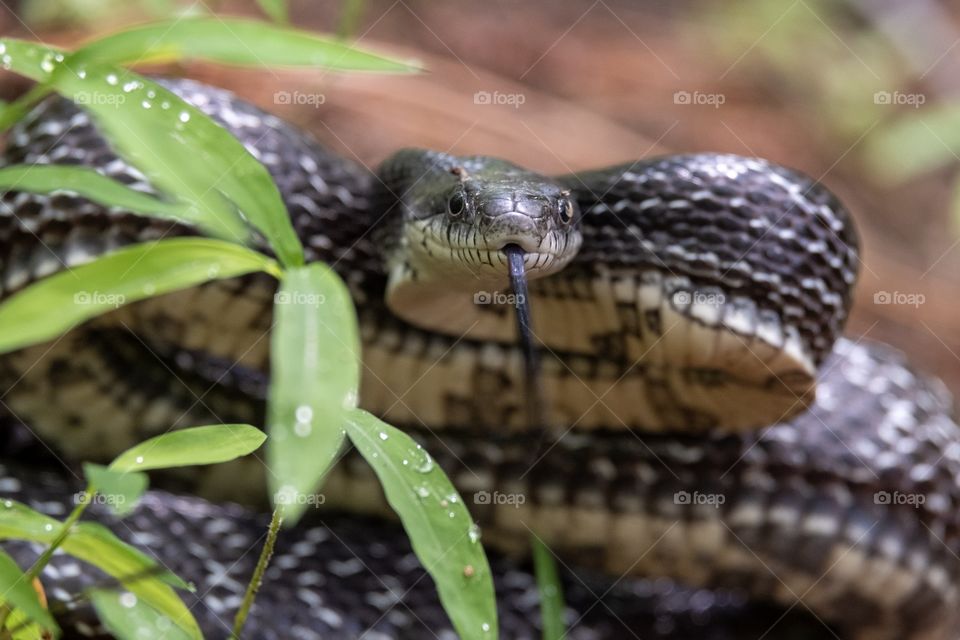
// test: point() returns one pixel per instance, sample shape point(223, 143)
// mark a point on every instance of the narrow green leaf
point(56, 304)
point(127, 617)
point(121, 489)
point(276, 9)
point(96, 545)
point(182, 151)
point(232, 41)
point(188, 447)
point(14, 111)
point(17, 591)
point(436, 520)
point(315, 375)
point(551, 592)
point(88, 183)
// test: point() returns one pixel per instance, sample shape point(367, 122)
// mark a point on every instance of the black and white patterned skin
point(707, 292)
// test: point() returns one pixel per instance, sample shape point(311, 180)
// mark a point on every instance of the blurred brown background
point(859, 93)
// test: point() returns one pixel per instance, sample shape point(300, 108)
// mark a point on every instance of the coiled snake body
point(684, 304)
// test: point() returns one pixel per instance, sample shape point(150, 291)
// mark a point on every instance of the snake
point(715, 460)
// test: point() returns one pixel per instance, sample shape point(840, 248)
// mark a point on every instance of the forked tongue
point(531, 357)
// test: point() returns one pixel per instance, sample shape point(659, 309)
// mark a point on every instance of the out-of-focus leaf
point(17, 591)
point(551, 593)
point(315, 375)
point(276, 9)
point(121, 490)
point(52, 306)
point(915, 144)
point(96, 545)
point(232, 41)
point(127, 617)
point(436, 520)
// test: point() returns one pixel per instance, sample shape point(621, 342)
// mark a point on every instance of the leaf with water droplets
point(17, 591)
point(232, 41)
point(127, 617)
point(440, 528)
point(95, 544)
point(315, 375)
point(181, 151)
point(211, 444)
point(54, 305)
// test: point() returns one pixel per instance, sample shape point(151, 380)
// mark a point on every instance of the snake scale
point(712, 439)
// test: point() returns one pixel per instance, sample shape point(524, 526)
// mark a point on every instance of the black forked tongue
point(531, 357)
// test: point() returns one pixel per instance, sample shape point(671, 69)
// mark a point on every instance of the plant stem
point(41, 562)
point(258, 572)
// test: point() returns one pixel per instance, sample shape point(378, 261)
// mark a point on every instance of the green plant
point(209, 180)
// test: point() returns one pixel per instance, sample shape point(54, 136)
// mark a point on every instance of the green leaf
point(276, 9)
point(233, 41)
point(88, 183)
point(17, 590)
point(97, 545)
point(127, 617)
point(182, 151)
point(194, 446)
point(122, 489)
point(436, 520)
point(11, 112)
point(315, 376)
point(915, 144)
point(54, 305)
point(551, 593)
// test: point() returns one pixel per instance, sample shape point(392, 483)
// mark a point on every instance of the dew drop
point(48, 527)
point(485, 626)
point(139, 459)
point(304, 413)
point(7, 61)
point(427, 465)
point(112, 79)
point(383, 436)
point(47, 65)
point(82, 74)
point(406, 462)
point(452, 514)
point(468, 571)
point(474, 533)
point(3, 48)
point(184, 116)
point(151, 94)
point(350, 400)
point(128, 600)
point(423, 492)
point(8, 504)
point(146, 104)
point(164, 105)
point(302, 429)
point(131, 86)
point(214, 269)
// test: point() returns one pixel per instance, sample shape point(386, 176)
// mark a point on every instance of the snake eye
point(456, 205)
point(565, 211)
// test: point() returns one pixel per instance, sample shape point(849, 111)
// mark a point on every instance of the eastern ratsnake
point(683, 304)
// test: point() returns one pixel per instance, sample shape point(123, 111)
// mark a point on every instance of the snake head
point(446, 222)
